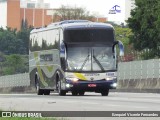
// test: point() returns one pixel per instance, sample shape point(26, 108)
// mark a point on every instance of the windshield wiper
point(85, 61)
point(97, 61)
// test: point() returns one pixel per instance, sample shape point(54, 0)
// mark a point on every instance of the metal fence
point(15, 80)
point(139, 69)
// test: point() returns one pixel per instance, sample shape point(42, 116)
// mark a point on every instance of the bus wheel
point(46, 92)
point(74, 93)
point(61, 92)
point(105, 93)
point(39, 91)
point(81, 93)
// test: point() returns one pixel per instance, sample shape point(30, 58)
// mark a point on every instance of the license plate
point(92, 85)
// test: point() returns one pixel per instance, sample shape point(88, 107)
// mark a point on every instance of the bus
point(74, 56)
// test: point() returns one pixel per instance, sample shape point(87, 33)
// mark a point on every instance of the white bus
point(73, 56)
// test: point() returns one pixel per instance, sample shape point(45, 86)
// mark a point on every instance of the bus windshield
point(90, 59)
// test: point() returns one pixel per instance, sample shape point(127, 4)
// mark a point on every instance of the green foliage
point(123, 35)
point(145, 25)
point(2, 59)
point(14, 64)
point(8, 41)
point(23, 36)
point(13, 41)
point(9, 71)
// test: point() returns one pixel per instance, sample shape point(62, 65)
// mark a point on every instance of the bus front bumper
point(98, 85)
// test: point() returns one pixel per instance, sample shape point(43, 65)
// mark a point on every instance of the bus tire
point(46, 92)
point(74, 93)
point(81, 93)
point(39, 91)
point(60, 91)
point(105, 93)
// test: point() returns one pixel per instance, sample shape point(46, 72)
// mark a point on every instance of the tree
point(145, 25)
point(14, 63)
point(23, 37)
point(24, 24)
point(68, 13)
point(2, 59)
point(13, 41)
point(8, 41)
point(123, 34)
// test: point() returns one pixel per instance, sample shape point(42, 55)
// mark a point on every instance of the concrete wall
point(139, 74)
point(17, 80)
point(3, 14)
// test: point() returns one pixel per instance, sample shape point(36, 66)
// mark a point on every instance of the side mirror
point(62, 49)
point(63, 55)
point(121, 47)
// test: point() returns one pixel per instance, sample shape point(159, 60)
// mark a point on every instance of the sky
point(97, 7)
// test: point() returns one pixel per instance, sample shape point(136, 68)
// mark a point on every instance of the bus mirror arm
point(121, 47)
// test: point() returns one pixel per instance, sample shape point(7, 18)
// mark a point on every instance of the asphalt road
point(90, 102)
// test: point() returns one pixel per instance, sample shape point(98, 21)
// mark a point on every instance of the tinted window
point(89, 35)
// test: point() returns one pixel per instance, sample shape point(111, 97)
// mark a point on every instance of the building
point(129, 5)
point(33, 4)
point(34, 13)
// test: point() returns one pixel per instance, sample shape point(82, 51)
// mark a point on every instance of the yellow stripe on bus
point(49, 68)
point(39, 70)
point(80, 76)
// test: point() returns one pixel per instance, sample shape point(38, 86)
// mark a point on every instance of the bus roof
point(74, 24)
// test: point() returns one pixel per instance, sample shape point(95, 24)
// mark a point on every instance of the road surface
point(90, 102)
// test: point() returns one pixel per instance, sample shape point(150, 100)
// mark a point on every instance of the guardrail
point(17, 80)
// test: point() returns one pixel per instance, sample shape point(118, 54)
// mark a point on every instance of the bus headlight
point(111, 78)
point(69, 85)
point(73, 79)
point(114, 85)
